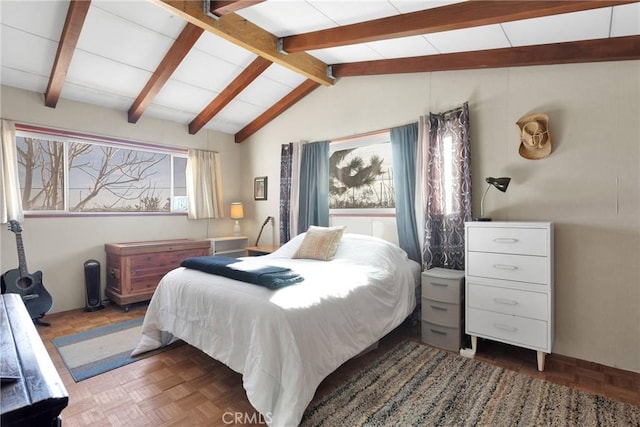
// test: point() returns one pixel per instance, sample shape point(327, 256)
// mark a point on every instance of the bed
point(285, 342)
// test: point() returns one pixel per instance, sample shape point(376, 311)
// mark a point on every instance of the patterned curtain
point(286, 161)
point(447, 180)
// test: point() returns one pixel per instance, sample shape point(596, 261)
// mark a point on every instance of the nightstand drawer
point(442, 284)
point(441, 336)
point(521, 268)
point(512, 329)
point(508, 240)
point(442, 313)
point(508, 301)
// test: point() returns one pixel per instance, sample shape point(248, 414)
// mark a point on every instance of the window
point(361, 175)
point(68, 173)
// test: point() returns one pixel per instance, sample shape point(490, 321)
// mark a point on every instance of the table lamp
point(501, 184)
point(237, 212)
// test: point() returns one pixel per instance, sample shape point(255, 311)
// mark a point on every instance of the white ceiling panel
point(263, 92)
point(342, 54)
point(239, 114)
point(283, 75)
point(170, 114)
point(350, 12)
point(42, 18)
point(221, 125)
point(92, 95)
point(208, 72)
point(224, 50)
point(15, 43)
point(23, 80)
point(184, 97)
point(625, 20)
point(110, 36)
point(469, 39)
point(403, 47)
point(285, 17)
point(91, 70)
point(145, 14)
point(590, 24)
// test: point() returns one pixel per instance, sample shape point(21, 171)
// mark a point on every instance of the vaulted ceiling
point(233, 66)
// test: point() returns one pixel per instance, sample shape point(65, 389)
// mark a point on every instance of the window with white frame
point(361, 175)
point(65, 173)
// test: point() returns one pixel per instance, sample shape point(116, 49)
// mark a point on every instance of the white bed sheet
point(286, 342)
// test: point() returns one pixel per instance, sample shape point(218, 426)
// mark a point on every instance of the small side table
point(261, 250)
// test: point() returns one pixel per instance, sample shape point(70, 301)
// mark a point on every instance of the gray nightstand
point(443, 308)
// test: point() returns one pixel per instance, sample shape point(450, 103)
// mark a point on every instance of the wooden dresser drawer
point(520, 268)
point(508, 240)
point(524, 332)
point(508, 301)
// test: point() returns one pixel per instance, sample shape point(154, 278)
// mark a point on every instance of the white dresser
point(509, 284)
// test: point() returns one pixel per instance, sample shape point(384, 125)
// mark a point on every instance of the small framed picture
point(260, 188)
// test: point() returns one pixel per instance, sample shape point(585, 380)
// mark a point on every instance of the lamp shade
point(237, 210)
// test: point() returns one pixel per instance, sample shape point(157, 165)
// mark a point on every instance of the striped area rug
point(418, 385)
point(99, 350)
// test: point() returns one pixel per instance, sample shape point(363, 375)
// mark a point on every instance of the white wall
point(59, 246)
point(589, 186)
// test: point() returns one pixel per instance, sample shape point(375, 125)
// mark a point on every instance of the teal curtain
point(314, 185)
point(404, 148)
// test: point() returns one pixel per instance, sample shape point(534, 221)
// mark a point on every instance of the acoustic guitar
point(19, 281)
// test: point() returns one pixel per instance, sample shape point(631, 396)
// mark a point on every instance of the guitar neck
point(22, 259)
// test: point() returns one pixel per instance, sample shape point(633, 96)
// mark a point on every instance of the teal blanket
point(263, 275)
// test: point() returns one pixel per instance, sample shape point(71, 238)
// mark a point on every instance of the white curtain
point(295, 188)
point(10, 200)
point(204, 185)
point(421, 160)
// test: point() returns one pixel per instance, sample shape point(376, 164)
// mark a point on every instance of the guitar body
point(28, 285)
point(36, 298)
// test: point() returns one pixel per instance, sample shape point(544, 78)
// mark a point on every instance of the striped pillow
point(320, 243)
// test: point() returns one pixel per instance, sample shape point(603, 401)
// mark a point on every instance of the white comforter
point(286, 342)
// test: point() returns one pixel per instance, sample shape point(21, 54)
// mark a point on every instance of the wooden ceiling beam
point(610, 49)
point(278, 108)
point(243, 80)
point(76, 15)
point(445, 18)
point(225, 7)
point(237, 30)
point(180, 48)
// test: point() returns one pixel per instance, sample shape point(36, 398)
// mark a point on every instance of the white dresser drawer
point(508, 240)
point(443, 313)
point(508, 301)
point(511, 329)
point(520, 268)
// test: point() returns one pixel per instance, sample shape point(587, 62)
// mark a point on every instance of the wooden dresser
point(134, 269)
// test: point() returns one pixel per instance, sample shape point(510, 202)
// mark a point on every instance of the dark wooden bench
point(32, 391)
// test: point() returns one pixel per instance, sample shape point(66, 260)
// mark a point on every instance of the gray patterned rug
point(418, 385)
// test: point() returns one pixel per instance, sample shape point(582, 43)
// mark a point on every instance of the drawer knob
point(506, 301)
point(435, 307)
point(505, 267)
point(505, 240)
point(435, 331)
point(504, 327)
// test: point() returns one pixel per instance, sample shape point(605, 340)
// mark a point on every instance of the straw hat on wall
point(535, 136)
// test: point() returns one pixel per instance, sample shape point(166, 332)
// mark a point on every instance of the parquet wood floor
point(185, 387)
